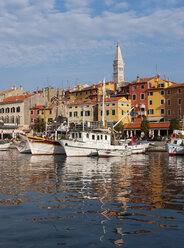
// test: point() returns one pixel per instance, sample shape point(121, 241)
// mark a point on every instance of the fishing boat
point(4, 145)
point(43, 146)
point(85, 143)
point(137, 147)
point(23, 147)
point(176, 145)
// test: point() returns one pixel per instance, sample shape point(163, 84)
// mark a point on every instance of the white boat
point(24, 147)
point(42, 146)
point(84, 143)
point(176, 144)
point(115, 151)
point(4, 146)
point(92, 143)
point(136, 147)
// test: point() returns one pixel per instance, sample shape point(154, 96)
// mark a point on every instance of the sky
point(61, 43)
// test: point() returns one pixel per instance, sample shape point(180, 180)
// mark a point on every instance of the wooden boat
point(43, 146)
point(176, 144)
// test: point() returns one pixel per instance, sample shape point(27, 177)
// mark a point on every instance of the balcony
point(141, 113)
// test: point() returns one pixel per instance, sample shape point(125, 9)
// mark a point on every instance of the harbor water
point(55, 201)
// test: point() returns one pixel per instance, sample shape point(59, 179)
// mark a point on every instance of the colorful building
point(115, 108)
point(156, 101)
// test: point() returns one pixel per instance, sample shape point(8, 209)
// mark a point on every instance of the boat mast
point(103, 104)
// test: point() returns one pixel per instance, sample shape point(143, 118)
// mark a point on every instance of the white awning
point(155, 118)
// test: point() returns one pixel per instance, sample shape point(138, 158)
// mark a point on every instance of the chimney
point(138, 79)
point(158, 76)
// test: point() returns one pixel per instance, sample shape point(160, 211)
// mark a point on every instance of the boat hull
point(113, 153)
point(45, 147)
point(4, 147)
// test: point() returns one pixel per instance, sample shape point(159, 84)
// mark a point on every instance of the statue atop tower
point(118, 68)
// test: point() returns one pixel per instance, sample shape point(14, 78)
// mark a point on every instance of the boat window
point(175, 142)
point(98, 137)
point(87, 135)
point(101, 137)
point(93, 137)
point(80, 135)
point(73, 136)
point(105, 137)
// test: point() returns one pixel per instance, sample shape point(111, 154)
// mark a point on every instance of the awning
point(155, 118)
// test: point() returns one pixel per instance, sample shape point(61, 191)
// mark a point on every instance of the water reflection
point(100, 201)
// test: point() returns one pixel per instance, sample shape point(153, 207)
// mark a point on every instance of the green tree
point(145, 127)
point(39, 125)
point(174, 125)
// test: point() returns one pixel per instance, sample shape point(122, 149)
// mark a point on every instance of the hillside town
point(156, 99)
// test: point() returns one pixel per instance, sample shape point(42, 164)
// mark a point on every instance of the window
point(179, 101)
point(93, 137)
point(98, 137)
point(86, 92)
point(168, 92)
point(168, 112)
point(162, 92)
point(76, 94)
point(80, 93)
point(105, 137)
point(122, 104)
point(142, 86)
point(75, 106)
point(150, 111)
point(90, 91)
point(162, 111)
point(38, 112)
point(50, 112)
point(134, 97)
point(107, 112)
point(150, 102)
point(150, 93)
point(31, 112)
point(113, 112)
point(75, 114)
point(179, 91)
point(42, 112)
point(13, 110)
point(142, 96)
point(87, 135)
point(134, 87)
point(107, 104)
point(87, 113)
point(49, 120)
point(70, 107)
point(81, 113)
point(161, 85)
point(162, 101)
point(7, 110)
point(70, 114)
point(122, 112)
point(101, 112)
point(168, 102)
point(113, 104)
point(80, 135)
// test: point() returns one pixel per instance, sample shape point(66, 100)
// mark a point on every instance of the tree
point(174, 125)
point(145, 127)
point(119, 127)
point(39, 125)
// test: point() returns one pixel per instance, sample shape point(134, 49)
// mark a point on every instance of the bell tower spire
point(118, 67)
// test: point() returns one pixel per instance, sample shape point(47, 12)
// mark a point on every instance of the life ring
point(173, 135)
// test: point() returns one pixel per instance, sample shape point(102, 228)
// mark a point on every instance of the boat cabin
point(92, 137)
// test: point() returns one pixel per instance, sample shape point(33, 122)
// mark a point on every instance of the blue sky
point(60, 43)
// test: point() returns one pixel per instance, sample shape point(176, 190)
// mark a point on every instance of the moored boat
point(4, 145)
point(43, 146)
point(176, 144)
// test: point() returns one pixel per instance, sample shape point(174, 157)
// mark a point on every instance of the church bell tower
point(118, 68)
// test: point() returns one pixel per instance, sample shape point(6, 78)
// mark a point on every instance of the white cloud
point(37, 33)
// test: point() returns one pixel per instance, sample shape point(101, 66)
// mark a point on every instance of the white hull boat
point(4, 146)
point(41, 146)
point(114, 152)
point(176, 144)
point(24, 147)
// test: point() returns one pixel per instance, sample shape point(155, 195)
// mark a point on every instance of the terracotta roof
point(152, 125)
point(176, 85)
point(80, 102)
point(38, 107)
point(114, 99)
point(5, 92)
point(143, 80)
point(17, 98)
point(94, 86)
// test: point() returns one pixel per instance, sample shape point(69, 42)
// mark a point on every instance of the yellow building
point(80, 111)
point(93, 92)
point(156, 101)
point(115, 109)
